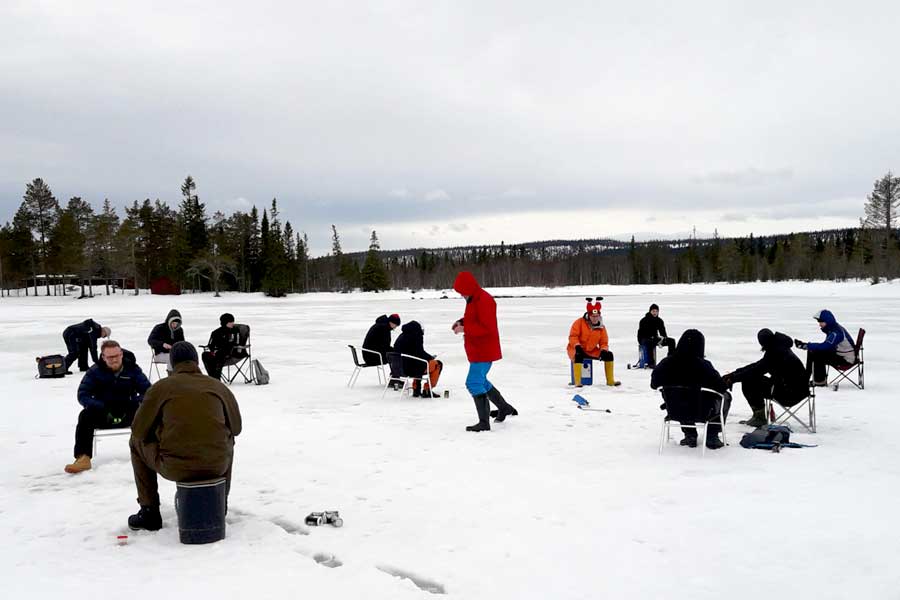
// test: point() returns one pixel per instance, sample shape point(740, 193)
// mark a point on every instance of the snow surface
point(554, 503)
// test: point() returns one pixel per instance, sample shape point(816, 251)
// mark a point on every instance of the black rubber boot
point(504, 408)
point(689, 440)
point(757, 420)
point(483, 407)
point(712, 441)
point(147, 518)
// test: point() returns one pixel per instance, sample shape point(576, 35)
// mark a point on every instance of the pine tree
point(882, 204)
point(41, 213)
point(277, 278)
point(374, 276)
point(101, 239)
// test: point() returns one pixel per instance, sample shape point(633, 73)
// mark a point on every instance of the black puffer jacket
point(86, 332)
point(411, 341)
point(787, 371)
point(378, 339)
point(687, 367)
point(223, 340)
point(163, 334)
point(651, 327)
point(115, 393)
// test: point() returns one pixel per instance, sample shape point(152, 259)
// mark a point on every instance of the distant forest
point(52, 249)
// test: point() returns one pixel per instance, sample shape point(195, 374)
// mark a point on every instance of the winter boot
point(483, 406)
point(147, 518)
point(757, 420)
point(712, 441)
point(504, 409)
point(82, 463)
point(610, 380)
point(690, 440)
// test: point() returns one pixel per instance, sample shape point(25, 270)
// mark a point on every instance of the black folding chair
point(239, 362)
point(692, 408)
point(845, 371)
point(359, 366)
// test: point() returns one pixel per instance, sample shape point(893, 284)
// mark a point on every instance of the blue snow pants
point(476, 381)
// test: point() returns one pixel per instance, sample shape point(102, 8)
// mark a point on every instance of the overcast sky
point(442, 123)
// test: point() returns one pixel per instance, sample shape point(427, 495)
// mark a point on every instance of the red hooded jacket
point(482, 339)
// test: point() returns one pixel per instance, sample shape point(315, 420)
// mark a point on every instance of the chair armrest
point(416, 358)
point(378, 354)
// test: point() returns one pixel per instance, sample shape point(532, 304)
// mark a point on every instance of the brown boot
point(82, 463)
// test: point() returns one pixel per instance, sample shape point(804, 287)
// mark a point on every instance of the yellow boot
point(82, 463)
point(576, 367)
point(608, 368)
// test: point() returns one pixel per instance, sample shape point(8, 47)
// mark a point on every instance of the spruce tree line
point(249, 252)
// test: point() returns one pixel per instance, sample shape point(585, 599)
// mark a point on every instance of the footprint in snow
point(427, 585)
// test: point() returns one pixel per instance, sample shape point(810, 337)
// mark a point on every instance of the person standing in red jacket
point(482, 344)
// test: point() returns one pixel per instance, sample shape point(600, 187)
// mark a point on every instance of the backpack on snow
point(771, 437)
point(51, 366)
point(259, 373)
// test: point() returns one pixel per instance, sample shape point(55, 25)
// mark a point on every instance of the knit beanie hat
point(226, 318)
point(182, 352)
point(653, 306)
point(395, 319)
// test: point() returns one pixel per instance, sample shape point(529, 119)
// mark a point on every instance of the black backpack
point(51, 366)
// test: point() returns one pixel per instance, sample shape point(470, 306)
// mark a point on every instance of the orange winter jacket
point(590, 339)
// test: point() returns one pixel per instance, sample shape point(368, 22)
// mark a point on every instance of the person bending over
point(779, 374)
point(80, 339)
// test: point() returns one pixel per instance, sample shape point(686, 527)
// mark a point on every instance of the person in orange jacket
point(588, 339)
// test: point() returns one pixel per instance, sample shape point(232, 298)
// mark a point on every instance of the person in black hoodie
point(651, 333)
point(80, 339)
point(779, 374)
point(411, 342)
point(221, 346)
point(378, 338)
point(166, 334)
point(687, 367)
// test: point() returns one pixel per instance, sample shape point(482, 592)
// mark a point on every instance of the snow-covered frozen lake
point(555, 503)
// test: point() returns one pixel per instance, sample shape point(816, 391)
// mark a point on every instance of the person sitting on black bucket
point(184, 431)
point(411, 342)
point(110, 393)
point(779, 374)
point(80, 339)
point(687, 367)
point(221, 346)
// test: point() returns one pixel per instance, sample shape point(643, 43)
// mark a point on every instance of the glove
point(800, 344)
point(728, 378)
point(579, 353)
point(114, 420)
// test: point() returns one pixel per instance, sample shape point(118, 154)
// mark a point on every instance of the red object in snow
point(163, 286)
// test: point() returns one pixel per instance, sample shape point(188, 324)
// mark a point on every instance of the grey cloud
point(747, 177)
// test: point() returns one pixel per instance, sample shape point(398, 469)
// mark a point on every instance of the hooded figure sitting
point(779, 374)
point(221, 346)
point(411, 341)
point(588, 339)
point(837, 349)
point(165, 335)
point(687, 368)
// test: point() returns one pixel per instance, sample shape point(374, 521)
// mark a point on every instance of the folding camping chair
point(395, 360)
point(845, 371)
point(686, 405)
point(379, 368)
point(105, 433)
point(155, 361)
point(793, 412)
point(240, 360)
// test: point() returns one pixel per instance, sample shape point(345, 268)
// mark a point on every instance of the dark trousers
point(817, 362)
point(90, 419)
point(76, 348)
point(213, 363)
point(649, 350)
point(756, 390)
point(711, 404)
point(146, 463)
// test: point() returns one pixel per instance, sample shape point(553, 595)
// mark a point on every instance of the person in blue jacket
point(837, 349)
point(110, 392)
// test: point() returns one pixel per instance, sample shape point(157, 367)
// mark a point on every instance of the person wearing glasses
point(110, 393)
